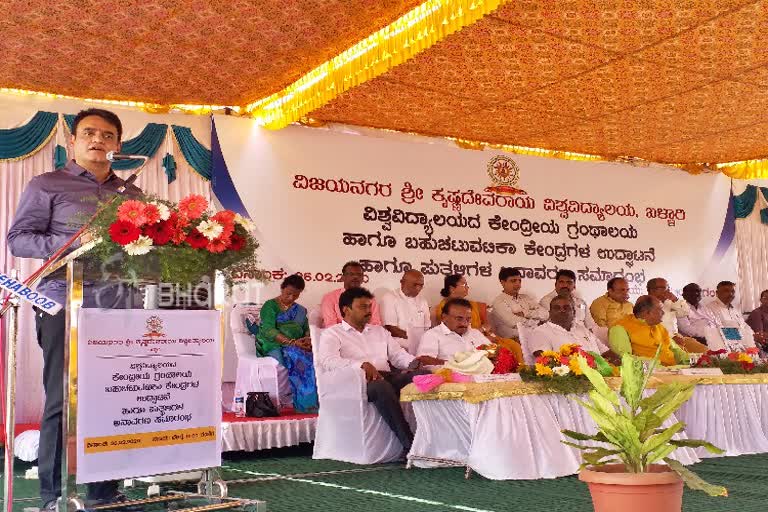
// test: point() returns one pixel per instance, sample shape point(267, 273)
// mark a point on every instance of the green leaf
point(593, 457)
point(582, 437)
point(658, 398)
point(602, 404)
point(654, 442)
point(696, 443)
point(685, 391)
point(574, 445)
point(598, 437)
point(647, 423)
point(693, 481)
point(598, 382)
point(632, 380)
point(601, 463)
point(659, 453)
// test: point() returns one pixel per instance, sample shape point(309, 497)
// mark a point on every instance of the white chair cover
point(349, 428)
point(524, 332)
point(256, 373)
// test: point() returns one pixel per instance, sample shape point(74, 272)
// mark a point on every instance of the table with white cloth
point(512, 430)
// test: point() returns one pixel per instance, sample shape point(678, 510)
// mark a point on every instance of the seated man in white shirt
point(403, 309)
point(511, 307)
point(355, 342)
point(561, 329)
point(698, 319)
point(673, 308)
point(565, 285)
point(726, 315)
point(453, 334)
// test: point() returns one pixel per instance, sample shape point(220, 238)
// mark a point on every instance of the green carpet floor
point(307, 485)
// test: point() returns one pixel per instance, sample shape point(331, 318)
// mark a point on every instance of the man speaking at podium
point(44, 222)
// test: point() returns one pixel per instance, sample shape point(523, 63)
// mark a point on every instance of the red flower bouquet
point(179, 243)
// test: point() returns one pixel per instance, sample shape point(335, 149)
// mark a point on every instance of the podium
point(156, 344)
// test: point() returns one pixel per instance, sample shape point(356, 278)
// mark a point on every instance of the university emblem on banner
point(505, 176)
point(154, 327)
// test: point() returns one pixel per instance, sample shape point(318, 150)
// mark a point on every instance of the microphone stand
point(11, 305)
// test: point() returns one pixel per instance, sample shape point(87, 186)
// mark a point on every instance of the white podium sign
point(149, 392)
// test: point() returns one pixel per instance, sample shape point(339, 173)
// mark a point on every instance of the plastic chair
point(256, 373)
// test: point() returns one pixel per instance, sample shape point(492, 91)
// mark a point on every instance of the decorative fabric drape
point(146, 144)
point(745, 202)
point(751, 209)
point(25, 141)
point(14, 176)
point(198, 156)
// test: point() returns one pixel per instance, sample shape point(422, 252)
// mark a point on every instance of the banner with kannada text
point(149, 392)
point(321, 197)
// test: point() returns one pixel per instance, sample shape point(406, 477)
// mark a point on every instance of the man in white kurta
point(699, 318)
point(405, 313)
point(561, 329)
point(356, 343)
point(453, 334)
point(565, 285)
point(726, 315)
point(512, 308)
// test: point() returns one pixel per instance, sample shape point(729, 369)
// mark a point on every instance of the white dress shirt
point(342, 345)
point(550, 336)
point(443, 343)
point(583, 316)
point(728, 316)
point(696, 322)
point(510, 311)
point(402, 311)
point(673, 311)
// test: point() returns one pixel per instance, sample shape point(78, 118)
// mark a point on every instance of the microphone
point(114, 157)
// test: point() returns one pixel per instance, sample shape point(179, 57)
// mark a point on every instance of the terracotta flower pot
point(612, 489)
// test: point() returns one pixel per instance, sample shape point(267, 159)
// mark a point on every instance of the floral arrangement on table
point(562, 371)
point(502, 358)
point(175, 243)
point(733, 362)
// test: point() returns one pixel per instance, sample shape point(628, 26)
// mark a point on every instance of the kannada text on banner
point(395, 205)
point(148, 392)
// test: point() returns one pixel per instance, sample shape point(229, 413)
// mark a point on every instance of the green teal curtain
point(744, 203)
point(70, 120)
point(764, 211)
point(59, 156)
point(17, 143)
point(197, 155)
point(146, 143)
point(169, 166)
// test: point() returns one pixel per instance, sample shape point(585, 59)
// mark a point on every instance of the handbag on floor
point(259, 405)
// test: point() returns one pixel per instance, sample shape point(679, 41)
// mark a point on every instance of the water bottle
point(239, 404)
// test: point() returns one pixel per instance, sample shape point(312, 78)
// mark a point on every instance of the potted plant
point(626, 463)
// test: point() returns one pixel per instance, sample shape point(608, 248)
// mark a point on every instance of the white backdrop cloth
point(510, 438)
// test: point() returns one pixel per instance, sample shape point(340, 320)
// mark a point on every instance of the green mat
point(308, 485)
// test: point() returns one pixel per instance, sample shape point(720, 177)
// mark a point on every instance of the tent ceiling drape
point(663, 80)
